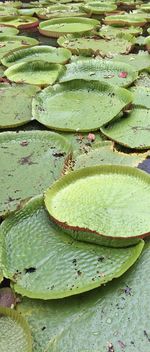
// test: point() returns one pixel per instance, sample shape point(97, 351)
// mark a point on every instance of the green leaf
point(8, 43)
point(93, 321)
point(14, 332)
point(8, 31)
point(59, 26)
point(132, 131)
point(46, 263)
point(63, 106)
point(141, 96)
point(20, 22)
point(105, 153)
point(127, 19)
point(109, 32)
point(16, 108)
point(30, 161)
point(92, 44)
point(95, 69)
point(40, 73)
point(96, 204)
point(43, 53)
point(96, 7)
point(140, 61)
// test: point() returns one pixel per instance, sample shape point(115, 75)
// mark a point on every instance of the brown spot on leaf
point(24, 143)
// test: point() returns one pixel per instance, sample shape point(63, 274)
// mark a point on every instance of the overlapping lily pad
point(8, 43)
point(147, 43)
point(60, 26)
point(94, 45)
point(59, 11)
point(104, 153)
point(4, 30)
point(94, 69)
point(21, 22)
point(140, 61)
point(143, 80)
point(141, 96)
point(45, 274)
point(15, 334)
point(96, 7)
point(101, 315)
point(109, 32)
point(129, 19)
point(40, 73)
point(69, 106)
point(16, 104)
point(132, 131)
point(30, 161)
point(41, 53)
point(96, 204)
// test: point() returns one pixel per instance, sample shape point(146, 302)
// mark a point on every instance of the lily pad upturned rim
point(123, 94)
point(88, 171)
point(34, 48)
point(133, 73)
point(25, 25)
point(111, 20)
point(35, 206)
point(57, 34)
point(14, 315)
point(39, 64)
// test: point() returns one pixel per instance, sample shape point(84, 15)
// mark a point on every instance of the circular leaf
point(100, 206)
point(8, 43)
point(63, 106)
point(31, 245)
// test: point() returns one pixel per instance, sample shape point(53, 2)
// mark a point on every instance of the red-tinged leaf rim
point(19, 319)
point(84, 233)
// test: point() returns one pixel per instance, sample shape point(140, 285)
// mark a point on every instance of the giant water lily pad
point(8, 43)
point(141, 96)
point(8, 11)
point(30, 161)
point(132, 131)
point(69, 106)
point(104, 153)
point(96, 7)
point(99, 204)
point(21, 22)
point(94, 45)
point(42, 53)
point(143, 80)
point(4, 30)
point(16, 104)
point(129, 19)
point(39, 272)
point(94, 69)
point(59, 26)
point(140, 61)
point(15, 334)
point(102, 315)
point(58, 11)
point(34, 72)
point(109, 32)
point(16, 4)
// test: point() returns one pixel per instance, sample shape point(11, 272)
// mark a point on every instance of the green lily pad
point(76, 269)
point(16, 4)
point(129, 19)
point(96, 204)
point(21, 22)
point(104, 153)
point(147, 43)
point(143, 80)
point(109, 32)
point(8, 11)
point(59, 11)
point(96, 7)
point(4, 30)
point(141, 96)
point(94, 69)
point(132, 131)
point(131, 4)
point(80, 142)
point(8, 43)
point(60, 26)
point(1, 71)
point(139, 61)
point(34, 72)
point(145, 7)
point(94, 45)
point(42, 53)
point(30, 161)
point(63, 106)
point(15, 334)
point(16, 108)
point(101, 315)
point(140, 40)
